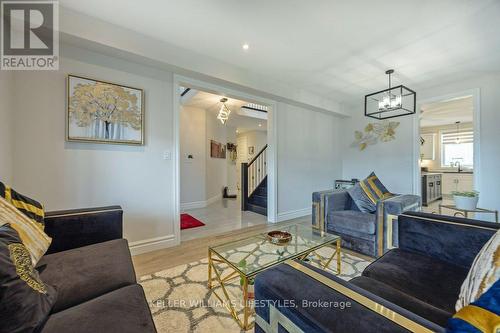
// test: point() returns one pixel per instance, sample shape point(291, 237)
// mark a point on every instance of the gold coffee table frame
point(216, 276)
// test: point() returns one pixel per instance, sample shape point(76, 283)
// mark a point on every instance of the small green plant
point(468, 194)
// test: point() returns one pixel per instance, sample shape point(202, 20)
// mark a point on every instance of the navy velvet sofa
point(368, 233)
point(90, 266)
point(413, 288)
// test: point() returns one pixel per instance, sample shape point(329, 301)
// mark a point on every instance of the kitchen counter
point(450, 171)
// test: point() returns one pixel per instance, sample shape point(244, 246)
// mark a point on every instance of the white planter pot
point(467, 203)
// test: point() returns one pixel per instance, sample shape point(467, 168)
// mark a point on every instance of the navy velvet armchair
point(413, 288)
point(372, 234)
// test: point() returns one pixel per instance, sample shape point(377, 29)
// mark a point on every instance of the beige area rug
point(181, 302)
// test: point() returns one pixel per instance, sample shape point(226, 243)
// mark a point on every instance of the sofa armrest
point(313, 300)
point(71, 229)
point(452, 239)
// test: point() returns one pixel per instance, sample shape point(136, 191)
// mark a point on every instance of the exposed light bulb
point(245, 46)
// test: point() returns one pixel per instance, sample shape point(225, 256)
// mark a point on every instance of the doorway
point(213, 149)
point(448, 154)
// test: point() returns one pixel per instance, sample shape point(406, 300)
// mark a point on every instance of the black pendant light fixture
point(392, 102)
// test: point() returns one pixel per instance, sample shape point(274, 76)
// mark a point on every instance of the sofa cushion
point(427, 279)
point(87, 272)
point(350, 220)
point(403, 300)
point(123, 310)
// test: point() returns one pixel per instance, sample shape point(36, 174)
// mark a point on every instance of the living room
point(62, 148)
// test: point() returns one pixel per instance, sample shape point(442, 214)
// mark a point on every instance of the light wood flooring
point(195, 249)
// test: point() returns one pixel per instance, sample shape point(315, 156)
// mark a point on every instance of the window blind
point(464, 136)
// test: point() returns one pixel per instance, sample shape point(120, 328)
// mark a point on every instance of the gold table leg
point(229, 305)
point(337, 253)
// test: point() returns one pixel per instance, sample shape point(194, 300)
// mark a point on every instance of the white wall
point(193, 142)
point(66, 175)
point(393, 161)
point(232, 174)
point(216, 173)
point(6, 122)
point(309, 157)
point(256, 139)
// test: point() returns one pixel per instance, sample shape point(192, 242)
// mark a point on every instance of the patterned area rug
point(181, 302)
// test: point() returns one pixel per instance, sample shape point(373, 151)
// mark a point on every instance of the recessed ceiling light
point(245, 46)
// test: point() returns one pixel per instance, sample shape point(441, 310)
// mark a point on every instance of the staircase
point(254, 184)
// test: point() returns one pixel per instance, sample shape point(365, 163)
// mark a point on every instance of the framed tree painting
point(104, 112)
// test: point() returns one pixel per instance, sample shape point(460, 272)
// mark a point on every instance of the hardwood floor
point(195, 249)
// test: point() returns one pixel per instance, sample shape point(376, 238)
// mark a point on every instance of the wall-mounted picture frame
point(104, 112)
point(217, 149)
point(251, 150)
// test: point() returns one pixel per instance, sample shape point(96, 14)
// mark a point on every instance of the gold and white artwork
point(104, 112)
point(374, 132)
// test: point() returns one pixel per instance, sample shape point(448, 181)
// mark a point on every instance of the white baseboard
point(293, 214)
point(151, 244)
point(200, 204)
point(193, 205)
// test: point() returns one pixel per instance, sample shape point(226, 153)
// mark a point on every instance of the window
point(457, 147)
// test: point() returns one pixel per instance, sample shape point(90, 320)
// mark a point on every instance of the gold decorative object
point(279, 237)
point(373, 132)
point(103, 112)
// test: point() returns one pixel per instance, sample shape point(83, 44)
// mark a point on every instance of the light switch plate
point(167, 155)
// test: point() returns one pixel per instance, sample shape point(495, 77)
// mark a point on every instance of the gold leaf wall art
point(374, 132)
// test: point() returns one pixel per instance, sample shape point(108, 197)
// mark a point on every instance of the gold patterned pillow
point(33, 237)
point(25, 300)
point(484, 272)
point(29, 207)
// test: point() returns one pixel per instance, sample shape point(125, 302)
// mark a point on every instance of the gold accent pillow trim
point(24, 267)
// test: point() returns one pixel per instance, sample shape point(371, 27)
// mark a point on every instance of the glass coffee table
point(248, 257)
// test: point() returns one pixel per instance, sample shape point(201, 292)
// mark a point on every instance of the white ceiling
point(447, 112)
point(211, 103)
point(336, 49)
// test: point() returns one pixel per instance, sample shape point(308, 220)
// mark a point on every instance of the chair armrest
point(387, 223)
point(71, 229)
point(327, 201)
point(452, 239)
point(313, 300)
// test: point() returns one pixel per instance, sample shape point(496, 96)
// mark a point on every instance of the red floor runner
point(187, 222)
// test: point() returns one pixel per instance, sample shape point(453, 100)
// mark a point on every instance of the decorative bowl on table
point(279, 237)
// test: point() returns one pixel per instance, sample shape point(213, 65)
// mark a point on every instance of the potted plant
point(466, 200)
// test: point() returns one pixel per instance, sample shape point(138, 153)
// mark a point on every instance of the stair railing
point(252, 174)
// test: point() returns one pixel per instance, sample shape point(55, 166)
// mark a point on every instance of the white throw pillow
point(484, 272)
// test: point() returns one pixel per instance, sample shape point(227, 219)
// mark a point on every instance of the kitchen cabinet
point(457, 182)
point(427, 150)
point(431, 187)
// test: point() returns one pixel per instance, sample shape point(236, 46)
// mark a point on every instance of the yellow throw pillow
point(34, 239)
point(484, 272)
point(29, 207)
